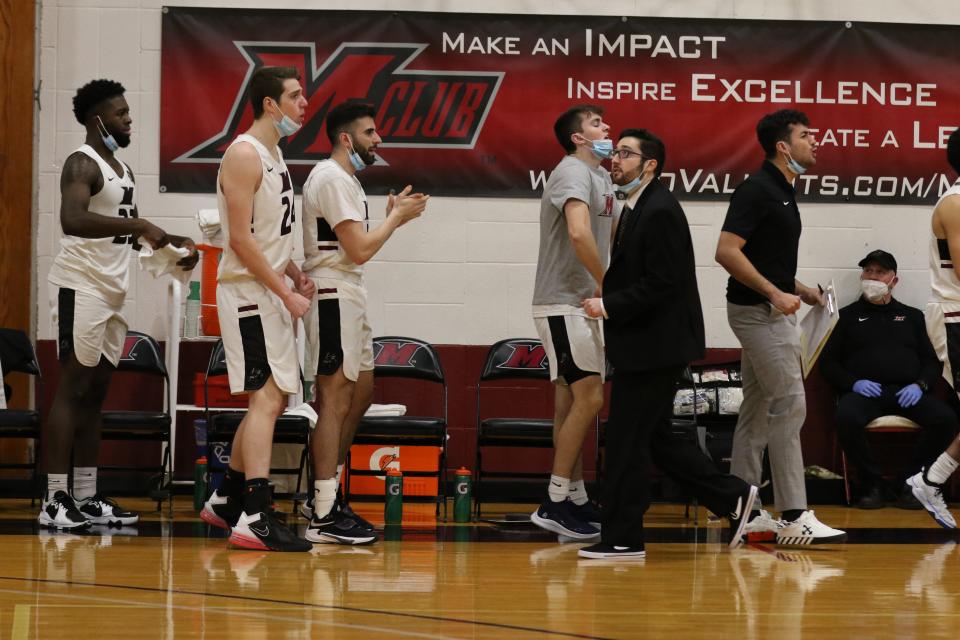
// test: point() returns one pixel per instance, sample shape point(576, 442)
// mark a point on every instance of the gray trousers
point(774, 405)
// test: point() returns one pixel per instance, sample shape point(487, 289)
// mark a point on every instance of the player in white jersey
point(88, 285)
point(256, 306)
point(337, 242)
point(943, 325)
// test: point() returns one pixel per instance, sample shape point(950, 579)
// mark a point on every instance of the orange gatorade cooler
point(209, 320)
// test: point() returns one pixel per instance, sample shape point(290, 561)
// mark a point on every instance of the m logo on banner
point(415, 108)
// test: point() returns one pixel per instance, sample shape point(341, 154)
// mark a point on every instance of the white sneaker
point(60, 512)
point(931, 497)
point(762, 528)
point(808, 530)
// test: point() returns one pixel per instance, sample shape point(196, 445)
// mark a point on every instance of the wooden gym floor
point(898, 577)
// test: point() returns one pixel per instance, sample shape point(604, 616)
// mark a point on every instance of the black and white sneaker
point(60, 512)
point(347, 512)
point(337, 528)
point(604, 551)
point(740, 516)
point(808, 530)
point(587, 512)
point(263, 532)
point(100, 509)
point(559, 517)
point(221, 511)
point(341, 506)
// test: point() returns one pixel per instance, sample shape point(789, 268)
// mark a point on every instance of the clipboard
point(816, 327)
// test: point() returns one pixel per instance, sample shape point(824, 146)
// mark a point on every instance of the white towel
point(304, 410)
point(160, 262)
point(209, 222)
point(383, 410)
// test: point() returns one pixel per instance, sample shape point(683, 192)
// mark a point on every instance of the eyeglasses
point(623, 154)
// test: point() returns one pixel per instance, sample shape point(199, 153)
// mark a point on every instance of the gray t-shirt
point(561, 278)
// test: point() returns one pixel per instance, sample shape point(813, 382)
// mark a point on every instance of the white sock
point(56, 482)
point(324, 495)
point(339, 473)
point(84, 482)
point(942, 468)
point(578, 492)
point(559, 488)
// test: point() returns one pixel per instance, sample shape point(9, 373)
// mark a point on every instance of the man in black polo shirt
point(758, 248)
point(881, 361)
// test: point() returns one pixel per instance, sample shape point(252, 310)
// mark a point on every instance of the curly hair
point(93, 93)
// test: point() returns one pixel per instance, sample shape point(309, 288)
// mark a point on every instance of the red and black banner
point(466, 102)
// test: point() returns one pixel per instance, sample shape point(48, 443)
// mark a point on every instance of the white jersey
point(273, 217)
point(100, 266)
point(943, 279)
point(330, 196)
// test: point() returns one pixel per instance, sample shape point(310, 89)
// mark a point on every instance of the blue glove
point(868, 388)
point(909, 395)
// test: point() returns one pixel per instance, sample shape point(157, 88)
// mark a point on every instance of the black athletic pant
point(639, 435)
point(854, 412)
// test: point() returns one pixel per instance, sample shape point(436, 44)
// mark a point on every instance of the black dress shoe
point(908, 501)
point(872, 499)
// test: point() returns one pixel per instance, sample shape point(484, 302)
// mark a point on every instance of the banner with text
point(466, 102)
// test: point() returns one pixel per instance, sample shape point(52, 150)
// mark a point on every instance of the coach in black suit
point(653, 328)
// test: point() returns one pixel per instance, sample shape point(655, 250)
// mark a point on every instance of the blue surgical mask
point(108, 140)
point(355, 159)
point(287, 125)
point(357, 162)
point(795, 166)
point(626, 189)
point(603, 149)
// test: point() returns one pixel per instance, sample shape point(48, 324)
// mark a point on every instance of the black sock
point(233, 483)
point(791, 514)
point(256, 496)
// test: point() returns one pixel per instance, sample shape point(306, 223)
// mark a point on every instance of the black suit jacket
point(650, 289)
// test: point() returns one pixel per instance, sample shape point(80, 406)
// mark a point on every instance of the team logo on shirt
point(609, 199)
point(422, 108)
point(899, 318)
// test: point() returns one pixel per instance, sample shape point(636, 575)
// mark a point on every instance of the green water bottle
point(393, 500)
point(200, 483)
point(461, 497)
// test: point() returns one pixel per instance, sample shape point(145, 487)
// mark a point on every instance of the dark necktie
point(624, 216)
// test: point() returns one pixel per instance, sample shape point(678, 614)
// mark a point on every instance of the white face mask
point(874, 290)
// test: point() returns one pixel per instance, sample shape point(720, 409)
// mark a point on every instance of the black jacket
point(885, 343)
point(650, 289)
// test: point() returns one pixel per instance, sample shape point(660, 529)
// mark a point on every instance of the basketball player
point(575, 219)
point(943, 325)
point(88, 285)
point(257, 308)
point(337, 242)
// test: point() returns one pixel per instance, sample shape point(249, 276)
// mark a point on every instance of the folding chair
point(141, 354)
point(513, 359)
point(17, 354)
point(288, 429)
point(883, 424)
point(399, 357)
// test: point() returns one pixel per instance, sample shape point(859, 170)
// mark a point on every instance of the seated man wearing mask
point(880, 360)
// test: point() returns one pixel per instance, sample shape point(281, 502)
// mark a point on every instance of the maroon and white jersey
point(943, 279)
point(272, 221)
point(100, 266)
